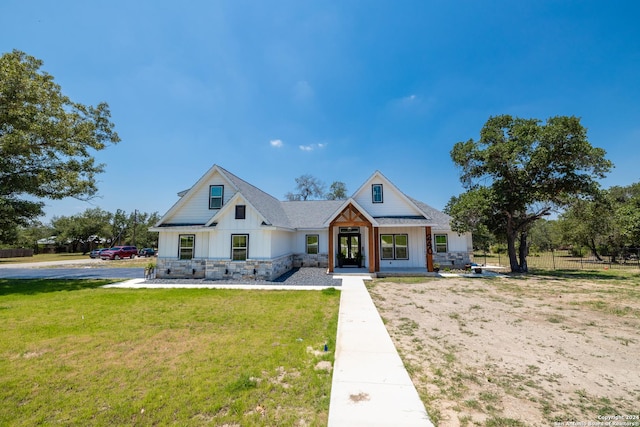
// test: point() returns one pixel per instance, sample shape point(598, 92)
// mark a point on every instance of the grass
point(76, 354)
point(44, 258)
point(137, 262)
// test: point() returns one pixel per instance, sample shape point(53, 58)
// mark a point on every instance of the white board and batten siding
point(300, 241)
point(169, 242)
point(457, 242)
point(195, 209)
point(393, 203)
point(227, 225)
point(417, 248)
point(280, 242)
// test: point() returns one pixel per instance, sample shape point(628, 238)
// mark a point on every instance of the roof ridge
point(237, 178)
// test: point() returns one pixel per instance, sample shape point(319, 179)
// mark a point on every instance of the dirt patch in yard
point(530, 351)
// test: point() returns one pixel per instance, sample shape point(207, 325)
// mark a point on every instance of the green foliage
point(46, 142)
point(96, 227)
point(337, 191)
point(606, 224)
point(81, 229)
point(308, 187)
point(518, 172)
point(544, 236)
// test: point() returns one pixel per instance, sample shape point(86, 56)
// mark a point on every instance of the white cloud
point(312, 147)
point(277, 143)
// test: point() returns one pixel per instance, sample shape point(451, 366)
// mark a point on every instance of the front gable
point(379, 197)
point(196, 206)
point(237, 214)
point(352, 214)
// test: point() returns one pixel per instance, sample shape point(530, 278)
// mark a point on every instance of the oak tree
point(47, 142)
point(519, 171)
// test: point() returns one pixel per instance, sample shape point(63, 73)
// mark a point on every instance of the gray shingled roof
point(437, 217)
point(268, 206)
point(311, 213)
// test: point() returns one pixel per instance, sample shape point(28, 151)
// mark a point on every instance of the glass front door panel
point(349, 248)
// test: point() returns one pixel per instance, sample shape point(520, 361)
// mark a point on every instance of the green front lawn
point(76, 354)
point(44, 258)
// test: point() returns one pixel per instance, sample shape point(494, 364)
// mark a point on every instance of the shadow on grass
point(39, 286)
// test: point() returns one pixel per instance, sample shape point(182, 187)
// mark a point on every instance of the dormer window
point(376, 193)
point(216, 194)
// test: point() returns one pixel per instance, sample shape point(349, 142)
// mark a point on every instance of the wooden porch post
point(375, 249)
point(331, 249)
point(372, 257)
point(429, 249)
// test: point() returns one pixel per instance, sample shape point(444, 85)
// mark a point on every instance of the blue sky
point(274, 90)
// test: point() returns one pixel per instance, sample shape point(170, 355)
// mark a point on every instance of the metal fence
point(565, 260)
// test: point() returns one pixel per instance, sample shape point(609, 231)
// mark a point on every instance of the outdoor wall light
point(193, 271)
point(226, 271)
point(168, 271)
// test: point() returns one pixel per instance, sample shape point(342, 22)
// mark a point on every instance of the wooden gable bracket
point(350, 216)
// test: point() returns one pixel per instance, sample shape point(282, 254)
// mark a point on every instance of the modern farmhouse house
point(223, 227)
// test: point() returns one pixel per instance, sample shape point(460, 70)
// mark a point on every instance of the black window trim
point(373, 194)
point(241, 209)
point(395, 257)
point(211, 197)
point(246, 257)
point(317, 244)
point(446, 243)
point(193, 248)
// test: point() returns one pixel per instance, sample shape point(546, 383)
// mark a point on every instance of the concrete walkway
point(370, 385)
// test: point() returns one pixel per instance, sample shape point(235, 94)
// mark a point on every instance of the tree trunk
point(523, 252)
point(594, 250)
point(511, 251)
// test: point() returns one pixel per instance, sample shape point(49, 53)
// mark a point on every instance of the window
point(386, 246)
point(312, 243)
point(239, 247)
point(216, 194)
point(376, 193)
point(241, 211)
point(402, 249)
point(394, 246)
point(187, 244)
point(441, 243)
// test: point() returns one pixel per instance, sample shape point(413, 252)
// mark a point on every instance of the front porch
point(354, 242)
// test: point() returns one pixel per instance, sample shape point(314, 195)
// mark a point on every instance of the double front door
point(349, 250)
